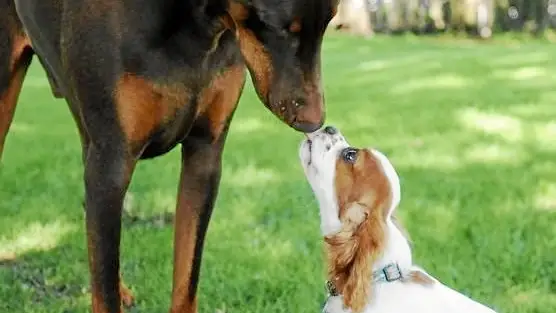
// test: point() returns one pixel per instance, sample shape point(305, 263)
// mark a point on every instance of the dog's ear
point(370, 241)
point(352, 252)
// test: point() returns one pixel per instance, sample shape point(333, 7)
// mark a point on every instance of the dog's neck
point(396, 248)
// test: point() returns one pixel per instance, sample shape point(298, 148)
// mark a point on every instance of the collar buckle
point(392, 272)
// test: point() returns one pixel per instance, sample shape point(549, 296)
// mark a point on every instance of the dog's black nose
point(331, 130)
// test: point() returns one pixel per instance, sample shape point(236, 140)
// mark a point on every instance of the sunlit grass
point(469, 126)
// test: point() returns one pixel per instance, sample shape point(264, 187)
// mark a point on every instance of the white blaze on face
point(318, 156)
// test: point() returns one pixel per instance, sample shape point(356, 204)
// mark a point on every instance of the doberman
point(140, 77)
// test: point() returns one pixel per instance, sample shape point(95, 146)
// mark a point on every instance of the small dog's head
point(353, 181)
point(281, 42)
point(358, 191)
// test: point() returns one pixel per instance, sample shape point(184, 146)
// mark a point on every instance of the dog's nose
point(331, 130)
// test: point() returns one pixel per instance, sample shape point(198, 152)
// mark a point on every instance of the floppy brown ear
point(352, 252)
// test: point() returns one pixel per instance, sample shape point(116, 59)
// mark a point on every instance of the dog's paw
point(126, 296)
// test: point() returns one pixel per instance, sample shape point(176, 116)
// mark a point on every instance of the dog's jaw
point(318, 154)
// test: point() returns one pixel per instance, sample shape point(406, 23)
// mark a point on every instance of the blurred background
point(460, 95)
point(482, 18)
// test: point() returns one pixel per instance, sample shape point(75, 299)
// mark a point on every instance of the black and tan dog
point(140, 77)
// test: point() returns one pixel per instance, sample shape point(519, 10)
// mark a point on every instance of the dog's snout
point(331, 130)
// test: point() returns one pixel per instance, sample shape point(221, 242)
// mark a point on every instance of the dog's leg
point(107, 176)
point(200, 177)
point(15, 58)
point(109, 165)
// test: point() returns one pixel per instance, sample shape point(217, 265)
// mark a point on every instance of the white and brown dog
point(370, 267)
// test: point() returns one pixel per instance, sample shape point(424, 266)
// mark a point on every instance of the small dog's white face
point(318, 154)
point(343, 177)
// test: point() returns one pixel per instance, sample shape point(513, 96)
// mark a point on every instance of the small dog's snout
point(331, 130)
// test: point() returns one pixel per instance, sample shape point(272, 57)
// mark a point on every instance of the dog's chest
point(207, 111)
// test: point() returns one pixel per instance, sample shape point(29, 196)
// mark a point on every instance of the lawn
point(470, 127)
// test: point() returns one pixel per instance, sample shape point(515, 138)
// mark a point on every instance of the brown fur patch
point(126, 295)
point(420, 277)
point(256, 56)
point(295, 26)
point(258, 60)
point(143, 105)
point(185, 237)
point(238, 11)
point(219, 99)
point(351, 252)
point(19, 62)
point(20, 43)
point(217, 102)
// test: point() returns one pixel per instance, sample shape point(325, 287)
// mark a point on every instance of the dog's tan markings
point(218, 101)
point(314, 111)
point(185, 238)
point(126, 295)
point(20, 59)
point(254, 52)
point(238, 11)
point(257, 59)
point(295, 26)
point(142, 106)
point(334, 10)
point(139, 107)
point(363, 193)
point(97, 305)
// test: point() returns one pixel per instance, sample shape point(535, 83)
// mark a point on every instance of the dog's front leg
point(200, 176)
point(15, 57)
point(107, 176)
point(199, 183)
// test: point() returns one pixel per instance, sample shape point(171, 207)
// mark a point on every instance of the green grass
point(470, 127)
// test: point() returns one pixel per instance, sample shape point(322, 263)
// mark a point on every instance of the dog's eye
point(349, 155)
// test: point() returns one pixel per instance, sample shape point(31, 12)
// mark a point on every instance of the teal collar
point(389, 273)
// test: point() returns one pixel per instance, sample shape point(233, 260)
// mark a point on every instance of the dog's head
point(348, 179)
point(359, 188)
point(281, 42)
